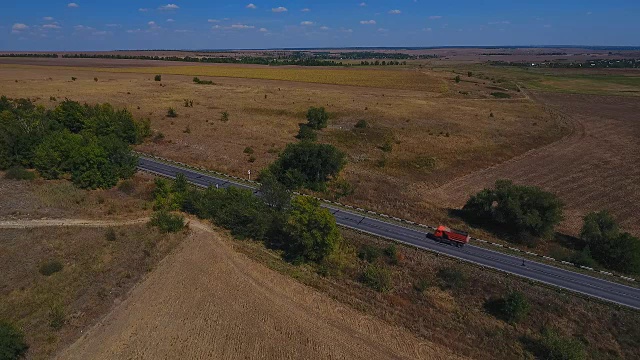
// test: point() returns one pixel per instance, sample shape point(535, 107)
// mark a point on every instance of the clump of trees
point(554, 346)
point(197, 80)
point(307, 164)
point(89, 144)
point(520, 211)
point(167, 222)
point(317, 119)
point(609, 246)
point(12, 343)
point(299, 227)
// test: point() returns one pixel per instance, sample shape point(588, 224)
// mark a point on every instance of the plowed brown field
point(208, 301)
point(596, 167)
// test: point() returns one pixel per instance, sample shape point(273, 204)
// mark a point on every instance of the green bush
point(451, 278)
point(369, 253)
point(306, 133)
point(608, 246)
point(421, 285)
point(19, 173)
point(555, 347)
point(515, 209)
point(512, 308)
point(224, 116)
point(202, 82)
point(248, 150)
point(387, 146)
point(171, 113)
point(361, 124)
point(12, 343)
point(158, 78)
point(317, 118)
point(457, 79)
point(167, 222)
point(500, 95)
point(111, 235)
point(377, 277)
point(307, 164)
point(57, 317)
point(50, 267)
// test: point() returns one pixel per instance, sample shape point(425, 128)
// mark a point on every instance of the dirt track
point(597, 167)
point(208, 301)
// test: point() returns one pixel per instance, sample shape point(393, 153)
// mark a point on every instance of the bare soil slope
point(207, 301)
point(595, 168)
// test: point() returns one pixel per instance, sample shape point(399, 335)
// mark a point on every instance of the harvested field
point(594, 168)
point(207, 301)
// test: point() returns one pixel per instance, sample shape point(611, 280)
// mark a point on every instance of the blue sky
point(218, 24)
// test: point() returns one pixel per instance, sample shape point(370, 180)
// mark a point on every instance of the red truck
point(451, 236)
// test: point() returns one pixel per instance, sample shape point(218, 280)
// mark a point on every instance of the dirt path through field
point(208, 301)
point(25, 224)
point(596, 167)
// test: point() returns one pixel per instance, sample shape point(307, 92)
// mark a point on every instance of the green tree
point(312, 233)
point(514, 307)
point(317, 118)
point(273, 192)
point(608, 246)
point(12, 343)
point(377, 277)
point(308, 164)
point(167, 222)
point(71, 115)
point(158, 78)
point(457, 79)
point(53, 154)
point(517, 209)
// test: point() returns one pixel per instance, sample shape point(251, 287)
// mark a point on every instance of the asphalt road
point(569, 280)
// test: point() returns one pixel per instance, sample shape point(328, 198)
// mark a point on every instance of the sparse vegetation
point(158, 78)
point(513, 308)
point(202, 82)
point(171, 113)
point(306, 133)
point(224, 117)
point(553, 346)
point(111, 235)
point(457, 79)
point(451, 278)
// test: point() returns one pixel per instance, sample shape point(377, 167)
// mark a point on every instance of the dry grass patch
point(84, 275)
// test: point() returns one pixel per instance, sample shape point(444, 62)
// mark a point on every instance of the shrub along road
point(569, 280)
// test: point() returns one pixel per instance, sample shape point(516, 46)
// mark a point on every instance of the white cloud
point(325, 28)
point(395, 12)
point(18, 27)
point(251, 6)
point(169, 7)
point(346, 30)
point(133, 31)
point(143, 9)
point(83, 28)
point(181, 31)
point(363, 4)
point(100, 33)
point(47, 18)
point(51, 26)
point(368, 22)
point(263, 30)
point(279, 9)
point(435, 17)
point(72, 5)
point(113, 25)
point(427, 29)
point(151, 23)
point(383, 30)
point(216, 27)
point(305, 10)
point(306, 23)
point(504, 22)
point(547, 26)
point(589, 12)
point(213, 20)
point(170, 20)
point(241, 27)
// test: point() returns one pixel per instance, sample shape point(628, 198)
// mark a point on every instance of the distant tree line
point(30, 55)
point(88, 144)
point(590, 64)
